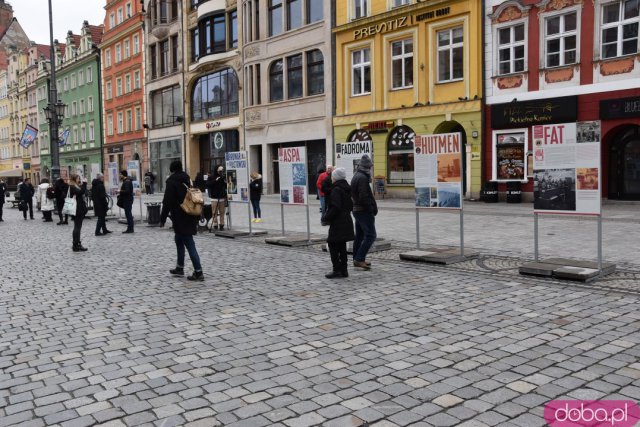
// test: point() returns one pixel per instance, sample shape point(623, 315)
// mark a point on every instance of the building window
point(215, 34)
point(128, 10)
point(120, 16)
point(112, 20)
point(402, 64)
point(110, 125)
point(119, 86)
point(361, 71)
point(73, 81)
point(89, 75)
point(360, 9)
point(127, 49)
point(154, 61)
point(164, 57)
point(294, 76)
point(82, 106)
point(510, 155)
point(118, 50)
point(620, 21)
point(136, 80)
point(561, 39)
point(294, 14)
point(275, 17)
point(315, 72)
point(233, 29)
point(511, 49)
point(136, 44)
point(75, 135)
point(66, 83)
point(314, 11)
point(276, 89)
point(80, 78)
point(174, 53)
point(90, 104)
point(83, 134)
point(215, 95)
point(129, 121)
point(398, 3)
point(195, 45)
point(120, 123)
point(74, 108)
point(92, 132)
point(450, 61)
point(138, 118)
point(109, 93)
point(167, 105)
point(400, 147)
point(218, 35)
point(127, 83)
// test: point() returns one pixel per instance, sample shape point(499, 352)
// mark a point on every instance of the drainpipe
point(100, 116)
point(483, 102)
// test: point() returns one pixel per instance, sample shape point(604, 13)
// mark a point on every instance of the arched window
point(215, 95)
point(315, 72)
point(400, 147)
point(275, 81)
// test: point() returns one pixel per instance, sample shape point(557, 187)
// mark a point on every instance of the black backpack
point(51, 193)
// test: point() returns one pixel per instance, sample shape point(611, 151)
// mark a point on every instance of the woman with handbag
point(77, 190)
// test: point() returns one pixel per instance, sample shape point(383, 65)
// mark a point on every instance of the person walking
point(3, 191)
point(26, 197)
point(322, 192)
point(46, 202)
point(217, 187)
point(338, 216)
point(185, 226)
point(61, 188)
point(78, 189)
point(125, 197)
point(149, 182)
point(100, 204)
point(365, 210)
point(255, 193)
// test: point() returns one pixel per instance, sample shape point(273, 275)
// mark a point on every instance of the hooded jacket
point(255, 188)
point(174, 194)
point(363, 200)
point(217, 186)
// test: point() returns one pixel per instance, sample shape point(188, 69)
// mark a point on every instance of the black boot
point(335, 275)
point(196, 276)
point(178, 271)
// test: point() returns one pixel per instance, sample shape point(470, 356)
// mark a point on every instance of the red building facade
point(122, 51)
point(562, 61)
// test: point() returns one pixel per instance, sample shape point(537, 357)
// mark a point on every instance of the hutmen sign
point(348, 154)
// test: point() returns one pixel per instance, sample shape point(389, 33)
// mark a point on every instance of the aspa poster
point(237, 181)
point(348, 155)
point(566, 168)
point(292, 167)
point(438, 170)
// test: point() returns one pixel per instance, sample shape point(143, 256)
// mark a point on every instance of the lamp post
point(54, 110)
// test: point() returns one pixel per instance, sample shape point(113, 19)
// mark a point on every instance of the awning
point(12, 173)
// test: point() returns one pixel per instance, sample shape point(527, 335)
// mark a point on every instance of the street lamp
point(55, 109)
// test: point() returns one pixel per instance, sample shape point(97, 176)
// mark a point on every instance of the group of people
point(339, 200)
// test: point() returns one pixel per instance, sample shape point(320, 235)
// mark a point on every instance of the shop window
point(450, 61)
point(167, 105)
point(361, 72)
point(401, 158)
point(214, 146)
point(294, 76)
point(402, 64)
point(275, 81)
point(511, 49)
point(561, 39)
point(509, 155)
point(215, 95)
point(315, 72)
point(620, 21)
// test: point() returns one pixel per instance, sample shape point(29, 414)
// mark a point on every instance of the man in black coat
point(26, 196)
point(365, 210)
point(100, 204)
point(3, 190)
point(61, 188)
point(184, 226)
point(126, 197)
point(338, 216)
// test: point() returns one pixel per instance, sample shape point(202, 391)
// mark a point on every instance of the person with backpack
point(60, 188)
point(46, 197)
point(149, 181)
point(185, 226)
point(217, 187)
point(125, 199)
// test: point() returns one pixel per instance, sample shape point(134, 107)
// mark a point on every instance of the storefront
point(87, 165)
point(161, 154)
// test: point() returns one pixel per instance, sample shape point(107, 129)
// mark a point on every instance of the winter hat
point(338, 174)
point(175, 166)
point(365, 162)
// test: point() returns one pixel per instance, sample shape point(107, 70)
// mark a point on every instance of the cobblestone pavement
point(107, 337)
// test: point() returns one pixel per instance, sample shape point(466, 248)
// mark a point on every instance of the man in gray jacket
point(365, 210)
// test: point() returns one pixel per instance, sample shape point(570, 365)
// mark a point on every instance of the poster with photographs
point(292, 169)
point(438, 170)
point(510, 151)
point(567, 175)
point(348, 155)
point(237, 179)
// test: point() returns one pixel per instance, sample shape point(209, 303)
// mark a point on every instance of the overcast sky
point(33, 15)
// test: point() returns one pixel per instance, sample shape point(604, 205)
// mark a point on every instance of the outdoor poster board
point(567, 175)
point(112, 167)
point(237, 175)
point(438, 170)
point(510, 148)
point(348, 155)
point(133, 169)
point(292, 168)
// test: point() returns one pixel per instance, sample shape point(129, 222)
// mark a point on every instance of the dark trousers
point(365, 235)
point(1, 206)
point(128, 207)
point(186, 241)
point(24, 213)
point(59, 206)
point(338, 252)
point(77, 228)
point(47, 215)
point(101, 225)
point(256, 208)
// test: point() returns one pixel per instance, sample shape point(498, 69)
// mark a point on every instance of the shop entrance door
point(625, 165)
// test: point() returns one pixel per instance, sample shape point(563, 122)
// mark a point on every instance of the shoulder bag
point(70, 204)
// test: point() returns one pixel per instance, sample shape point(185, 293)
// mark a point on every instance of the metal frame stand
point(461, 230)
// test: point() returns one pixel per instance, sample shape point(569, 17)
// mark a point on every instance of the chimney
point(6, 16)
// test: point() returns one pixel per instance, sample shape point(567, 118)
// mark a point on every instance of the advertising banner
point(95, 170)
point(438, 170)
point(509, 160)
point(566, 168)
point(348, 154)
point(292, 168)
point(113, 178)
point(63, 137)
point(133, 168)
point(237, 175)
point(28, 136)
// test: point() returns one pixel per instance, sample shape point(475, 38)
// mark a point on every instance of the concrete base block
point(378, 246)
point(295, 240)
point(236, 233)
point(562, 268)
point(438, 255)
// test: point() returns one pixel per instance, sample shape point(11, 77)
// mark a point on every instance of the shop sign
point(382, 27)
point(213, 125)
point(536, 112)
point(620, 108)
point(113, 150)
point(379, 126)
point(218, 140)
point(207, 127)
point(433, 13)
point(26, 166)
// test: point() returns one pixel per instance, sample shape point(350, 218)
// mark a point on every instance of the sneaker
point(178, 271)
point(254, 220)
point(196, 276)
point(259, 220)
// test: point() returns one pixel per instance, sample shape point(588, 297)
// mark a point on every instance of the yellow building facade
point(406, 68)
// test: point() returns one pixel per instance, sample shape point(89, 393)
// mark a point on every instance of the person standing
point(3, 191)
point(199, 182)
point(46, 203)
point(78, 189)
point(149, 182)
point(338, 216)
point(185, 226)
point(100, 204)
point(255, 193)
point(365, 210)
point(322, 193)
point(217, 187)
point(26, 197)
point(61, 188)
point(126, 197)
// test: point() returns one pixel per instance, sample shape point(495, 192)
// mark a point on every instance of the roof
point(75, 39)
point(96, 32)
point(44, 50)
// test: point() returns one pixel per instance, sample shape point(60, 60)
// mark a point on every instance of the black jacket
point(3, 190)
point(126, 191)
point(217, 186)
point(26, 192)
point(174, 193)
point(255, 189)
point(363, 200)
point(61, 191)
point(79, 193)
point(339, 213)
point(200, 183)
point(99, 198)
